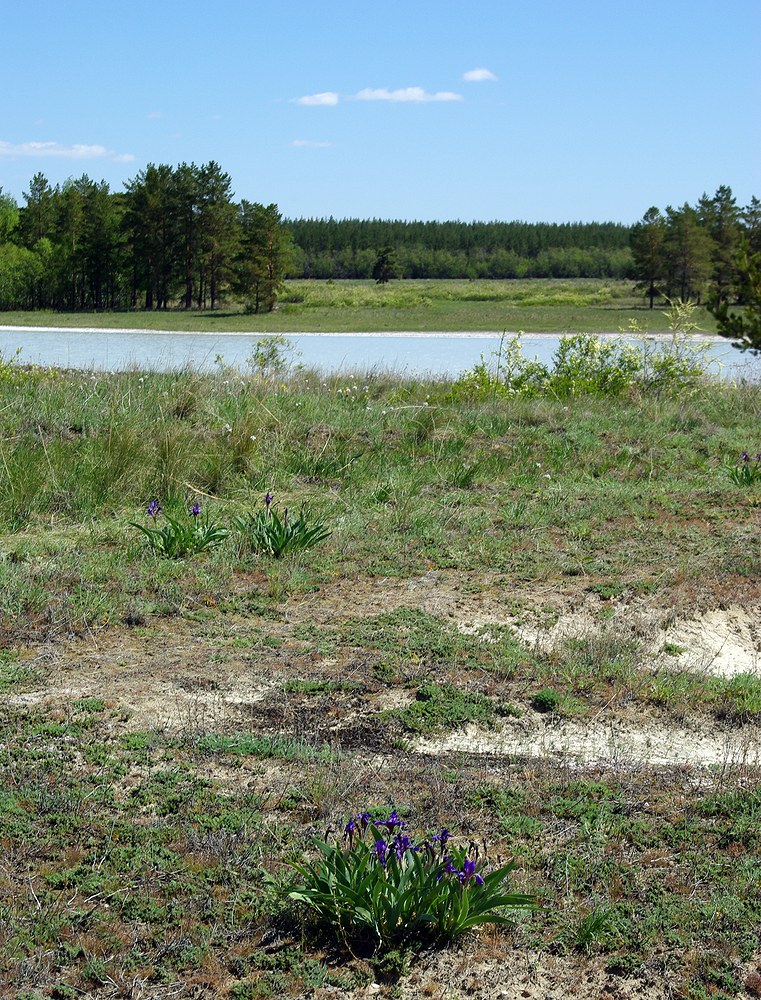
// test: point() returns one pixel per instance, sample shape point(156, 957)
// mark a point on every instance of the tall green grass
point(405, 474)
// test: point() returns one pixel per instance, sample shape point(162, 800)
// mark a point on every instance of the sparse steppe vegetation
point(174, 732)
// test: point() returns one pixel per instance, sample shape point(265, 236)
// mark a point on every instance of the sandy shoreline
point(708, 338)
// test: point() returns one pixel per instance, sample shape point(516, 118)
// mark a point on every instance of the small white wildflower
point(228, 429)
point(547, 475)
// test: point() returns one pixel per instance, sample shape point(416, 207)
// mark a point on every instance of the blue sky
point(492, 109)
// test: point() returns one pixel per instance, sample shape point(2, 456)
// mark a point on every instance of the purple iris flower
point(364, 819)
point(401, 844)
point(469, 872)
point(392, 822)
point(267, 499)
point(154, 509)
point(195, 510)
point(381, 849)
point(745, 457)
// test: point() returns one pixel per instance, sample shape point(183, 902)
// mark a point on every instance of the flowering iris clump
point(178, 538)
point(747, 471)
point(381, 888)
point(266, 531)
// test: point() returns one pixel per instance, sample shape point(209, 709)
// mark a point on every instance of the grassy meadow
point(534, 306)
point(176, 732)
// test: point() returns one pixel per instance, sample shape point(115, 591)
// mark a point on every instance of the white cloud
point(56, 149)
point(154, 114)
point(310, 144)
point(406, 94)
point(326, 99)
point(478, 75)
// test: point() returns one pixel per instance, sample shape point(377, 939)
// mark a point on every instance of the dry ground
point(198, 674)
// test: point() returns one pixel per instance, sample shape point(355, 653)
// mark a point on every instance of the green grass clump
point(180, 537)
point(262, 746)
point(443, 706)
point(270, 532)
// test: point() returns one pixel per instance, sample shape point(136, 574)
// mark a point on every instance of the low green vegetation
point(131, 841)
point(180, 730)
point(531, 305)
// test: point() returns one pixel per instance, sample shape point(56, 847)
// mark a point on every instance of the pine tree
point(648, 244)
point(688, 248)
point(743, 328)
point(264, 255)
point(384, 268)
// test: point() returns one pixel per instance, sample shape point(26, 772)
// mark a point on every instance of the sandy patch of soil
point(167, 682)
point(185, 676)
point(455, 975)
point(608, 742)
point(723, 642)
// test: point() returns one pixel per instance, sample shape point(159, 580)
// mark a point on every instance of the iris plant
point(747, 472)
point(177, 538)
point(382, 889)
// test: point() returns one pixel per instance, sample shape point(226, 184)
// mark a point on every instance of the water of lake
point(406, 353)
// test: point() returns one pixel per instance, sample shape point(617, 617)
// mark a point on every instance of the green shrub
point(548, 700)
point(587, 364)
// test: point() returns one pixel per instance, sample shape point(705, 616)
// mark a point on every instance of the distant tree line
point(348, 248)
point(175, 237)
point(697, 251)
